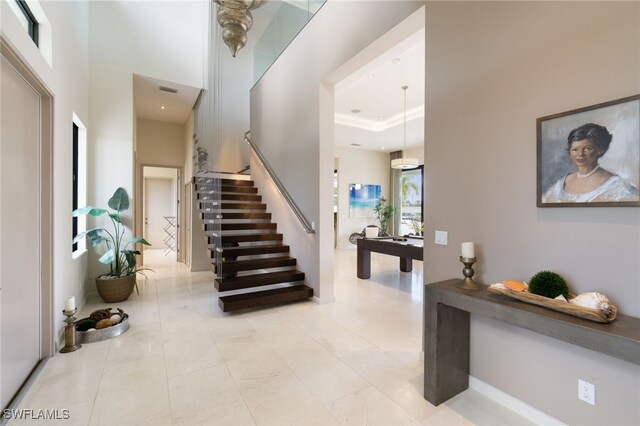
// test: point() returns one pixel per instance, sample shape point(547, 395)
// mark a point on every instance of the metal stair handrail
point(292, 204)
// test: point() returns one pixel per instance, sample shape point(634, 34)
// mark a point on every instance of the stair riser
point(239, 226)
point(255, 264)
point(204, 189)
point(244, 238)
point(205, 205)
point(252, 251)
point(221, 285)
point(223, 182)
point(227, 304)
point(234, 215)
point(233, 197)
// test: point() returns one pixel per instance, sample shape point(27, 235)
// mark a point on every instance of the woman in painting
point(590, 182)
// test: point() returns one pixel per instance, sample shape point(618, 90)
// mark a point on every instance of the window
point(78, 181)
point(28, 20)
point(412, 201)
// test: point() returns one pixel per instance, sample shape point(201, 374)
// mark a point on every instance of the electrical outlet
point(587, 392)
point(441, 238)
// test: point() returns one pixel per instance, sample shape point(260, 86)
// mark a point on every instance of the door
point(20, 239)
point(159, 212)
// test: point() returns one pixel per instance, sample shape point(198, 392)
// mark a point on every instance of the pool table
point(407, 251)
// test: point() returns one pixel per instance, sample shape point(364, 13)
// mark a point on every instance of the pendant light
point(403, 162)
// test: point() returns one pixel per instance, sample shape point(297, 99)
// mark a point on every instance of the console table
point(447, 310)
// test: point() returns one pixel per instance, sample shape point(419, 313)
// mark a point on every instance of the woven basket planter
point(113, 290)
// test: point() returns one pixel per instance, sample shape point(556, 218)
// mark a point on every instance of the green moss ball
point(548, 284)
point(85, 324)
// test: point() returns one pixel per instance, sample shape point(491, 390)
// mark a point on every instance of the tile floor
point(183, 362)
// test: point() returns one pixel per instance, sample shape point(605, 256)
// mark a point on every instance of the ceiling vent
point(168, 89)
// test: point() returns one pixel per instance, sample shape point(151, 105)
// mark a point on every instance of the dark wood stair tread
point(265, 297)
point(236, 215)
point(240, 197)
point(251, 264)
point(257, 280)
point(214, 189)
point(232, 206)
point(239, 226)
point(252, 250)
point(245, 238)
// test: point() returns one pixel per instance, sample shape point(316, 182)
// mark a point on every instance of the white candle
point(468, 250)
point(69, 303)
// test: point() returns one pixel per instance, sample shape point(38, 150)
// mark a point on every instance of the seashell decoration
point(115, 319)
point(593, 300)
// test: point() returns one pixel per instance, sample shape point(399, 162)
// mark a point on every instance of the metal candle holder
point(468, 283)
point(70, 344)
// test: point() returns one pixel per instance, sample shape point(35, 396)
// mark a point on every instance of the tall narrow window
point(28, 20)
point(78, 181)
point(75, 179)
point(412, 197)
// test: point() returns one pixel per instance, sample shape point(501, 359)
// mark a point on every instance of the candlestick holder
point(70, 344)
point(468, 283)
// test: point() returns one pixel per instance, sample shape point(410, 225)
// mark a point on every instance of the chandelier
point(235, 18)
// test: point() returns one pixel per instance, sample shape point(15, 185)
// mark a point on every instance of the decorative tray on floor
point(104, 333)
point(558, 305)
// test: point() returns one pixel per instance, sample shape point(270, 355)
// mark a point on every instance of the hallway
point(356, 361)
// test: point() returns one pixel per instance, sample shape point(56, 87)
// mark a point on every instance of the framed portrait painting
point(590, 157)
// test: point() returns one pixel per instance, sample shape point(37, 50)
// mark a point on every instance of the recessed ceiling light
point(371, 75)
point(395, 61)
point(354, 144)
point(380, 118)
point(162, 107)
point(382, 148)
point(356, 111)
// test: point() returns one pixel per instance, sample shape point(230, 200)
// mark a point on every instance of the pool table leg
point(364, 263)
point(406, 264)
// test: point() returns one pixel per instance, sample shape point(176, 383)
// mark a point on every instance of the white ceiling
point(376, 90)
point(149, 100)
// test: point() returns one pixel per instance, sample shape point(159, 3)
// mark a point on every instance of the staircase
point(247, 253)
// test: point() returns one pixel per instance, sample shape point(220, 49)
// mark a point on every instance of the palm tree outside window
point(411, 205)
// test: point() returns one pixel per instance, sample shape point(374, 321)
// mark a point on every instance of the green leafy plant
point(384, 212)
point(417, 226)
point(120, 257)
point(548, 284)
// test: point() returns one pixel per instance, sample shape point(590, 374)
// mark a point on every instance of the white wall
point(158, 144)
point(492, 69)
point(68, 80)
point(415, 152)
point(161, 39)
point(358, 166)
point(292, 111)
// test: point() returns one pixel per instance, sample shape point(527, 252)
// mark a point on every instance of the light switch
point(441, 238)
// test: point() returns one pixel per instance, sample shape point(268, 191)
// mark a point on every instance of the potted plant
point(384, 212)
point(117, 284)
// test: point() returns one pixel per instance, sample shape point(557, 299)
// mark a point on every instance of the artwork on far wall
point(590, 156)
point(362, 199)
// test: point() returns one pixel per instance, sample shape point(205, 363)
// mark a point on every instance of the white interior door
point(20, 250)
point(159, 202)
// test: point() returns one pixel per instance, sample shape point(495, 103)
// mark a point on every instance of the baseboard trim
point(322, 301)
point(525, 410)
